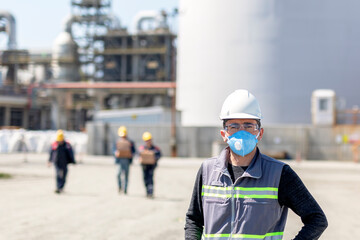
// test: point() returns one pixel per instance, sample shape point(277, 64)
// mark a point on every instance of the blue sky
point(39, 22)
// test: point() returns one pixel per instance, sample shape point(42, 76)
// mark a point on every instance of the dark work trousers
point(60, 177)
point(148, 173)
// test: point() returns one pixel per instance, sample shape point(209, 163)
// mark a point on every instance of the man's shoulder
point(68, 145)
point(54, 145)
point(271, 160)
point(209, 161)
point(131, 141)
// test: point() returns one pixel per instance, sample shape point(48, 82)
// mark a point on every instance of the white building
point(281, 51)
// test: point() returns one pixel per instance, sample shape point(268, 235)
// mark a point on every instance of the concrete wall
point(191, 141)
point(298, 141)
point(310, 142)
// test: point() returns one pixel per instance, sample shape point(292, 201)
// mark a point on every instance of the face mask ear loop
point(258, 135)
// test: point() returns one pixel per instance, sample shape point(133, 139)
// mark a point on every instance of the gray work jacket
point(246, 209)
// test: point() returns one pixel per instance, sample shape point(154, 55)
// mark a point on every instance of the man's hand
point(117, 153)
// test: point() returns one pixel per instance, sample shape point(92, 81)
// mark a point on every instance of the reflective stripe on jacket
point(247, 209)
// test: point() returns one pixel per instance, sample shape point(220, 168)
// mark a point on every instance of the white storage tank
point(65, 62)
point(281, 51)
point(323, 109)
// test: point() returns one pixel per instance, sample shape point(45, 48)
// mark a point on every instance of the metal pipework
point(10, 28)
point(71, 19)
point(159, 18)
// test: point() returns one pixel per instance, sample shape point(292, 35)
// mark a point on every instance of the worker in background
point(61, 154)
point(243, 194)
point(124, 151)
point(149, 154)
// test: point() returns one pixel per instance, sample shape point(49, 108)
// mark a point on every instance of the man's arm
point(50, 160)
point(294, 194)
point(133, 148)
point(51, 153)
point(194, 217)
point(70, 153)
point(157, 153)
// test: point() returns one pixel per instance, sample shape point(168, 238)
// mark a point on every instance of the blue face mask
point(242, 142)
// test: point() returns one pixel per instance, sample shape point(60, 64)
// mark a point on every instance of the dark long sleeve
point(133, 148)
point(294, 195)
point(51, 157)
point(194, 216)
point(71, 155)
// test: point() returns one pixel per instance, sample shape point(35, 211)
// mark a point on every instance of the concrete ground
point(91, 207)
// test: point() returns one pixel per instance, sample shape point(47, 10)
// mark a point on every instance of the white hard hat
point(240, 104)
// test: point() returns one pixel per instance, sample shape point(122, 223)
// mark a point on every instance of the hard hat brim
point(240, 116)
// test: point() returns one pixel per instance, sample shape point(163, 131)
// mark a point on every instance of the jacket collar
point(254, 170)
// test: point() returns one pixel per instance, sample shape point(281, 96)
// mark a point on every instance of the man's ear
point(223, 135)
point(261, 134)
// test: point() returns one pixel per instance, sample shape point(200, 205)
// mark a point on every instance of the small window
point(323, 104)
point(16, 117)
point(2, 116)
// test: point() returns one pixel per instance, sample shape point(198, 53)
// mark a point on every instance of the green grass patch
point(5, 176)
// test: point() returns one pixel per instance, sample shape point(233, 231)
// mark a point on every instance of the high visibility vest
point(247, 209)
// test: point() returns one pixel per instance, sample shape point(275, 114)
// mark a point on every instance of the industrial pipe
point(69, 20)
point(159, 18)
point(10, 29)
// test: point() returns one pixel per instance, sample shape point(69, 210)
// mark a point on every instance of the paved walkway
point(91, 207)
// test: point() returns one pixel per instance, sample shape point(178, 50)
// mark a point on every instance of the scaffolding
point(92, 19)
point(140, 57)
point(119, 70)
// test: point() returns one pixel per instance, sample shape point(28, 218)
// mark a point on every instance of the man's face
point(148, 143)
point(234, 125)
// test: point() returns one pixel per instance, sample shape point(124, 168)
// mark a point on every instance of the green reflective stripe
point(265, 192)
point(240, 192)
point(256, 189)
point(218, 192)
point(216, 195)
point(257, 236)
point(241, 188)
point(216, 188)
point(255, 196)
point(252, 236)
point(216, 235)
point(255, 193)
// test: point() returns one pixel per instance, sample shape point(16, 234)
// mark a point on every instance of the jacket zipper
point(232, 209)
point(232, 203)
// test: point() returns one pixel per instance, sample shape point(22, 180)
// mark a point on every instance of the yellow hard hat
point(122, 131)
point(59, 135)
point(146, 136)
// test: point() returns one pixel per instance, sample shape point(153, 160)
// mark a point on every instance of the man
point(149, 156)
point(124, 151)
point(243, 194)
point(61, 154)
